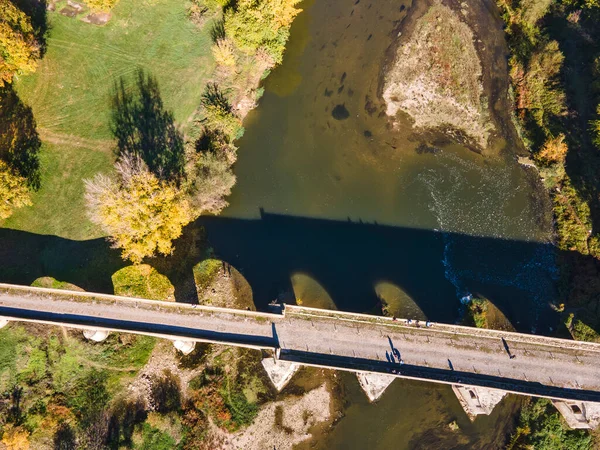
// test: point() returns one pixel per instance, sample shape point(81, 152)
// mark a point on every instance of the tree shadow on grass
point(36, 10)
point(143, 126)
point(19, 140)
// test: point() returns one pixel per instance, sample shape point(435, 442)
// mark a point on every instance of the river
point(335, 208)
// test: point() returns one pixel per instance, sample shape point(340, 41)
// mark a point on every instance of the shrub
point(13, 191)
point(580, 331)
point(141, 214)
point(210, 180)
point(101, 5)
point(573, 221)
point(554, 150)
point(90, 397)
point(15, 438)
point(143, 281)
point(477, 312)
point(541, 427)
point(218, 113)
point(205, 272)
point(595, 129)
point(19, 50)
point(154, 439)
point(537, 86)
point(223, 52)
point(264, 23)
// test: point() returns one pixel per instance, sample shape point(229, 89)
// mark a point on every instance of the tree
point(141, 213)
point(19, 49)
point(253, 24)
point(210, 180)
point(13, 191)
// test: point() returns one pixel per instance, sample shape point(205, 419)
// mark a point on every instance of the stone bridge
point(481, 365)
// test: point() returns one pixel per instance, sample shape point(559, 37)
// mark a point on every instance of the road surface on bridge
point(540, 366)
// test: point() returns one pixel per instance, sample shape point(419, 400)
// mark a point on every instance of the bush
point(53, 283)
point(218, 113)
point(541, 427)
point(154, 439)
point(477, 312)
point(554, 150)
point(210, 180)
point(13, 191)
point(101, 5)
point(90, 397)
point(573, 221)
point(205, 272)
point(595, 129)
point(143, 281)
point(223, 52)
point(261, 24)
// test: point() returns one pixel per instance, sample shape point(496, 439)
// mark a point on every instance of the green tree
point(595, 129)
point(210, 180)
point(141, 214)
point(253, 24)
point(13, 191)
point(19, 49)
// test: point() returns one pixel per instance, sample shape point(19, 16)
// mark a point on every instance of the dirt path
point(55, 138)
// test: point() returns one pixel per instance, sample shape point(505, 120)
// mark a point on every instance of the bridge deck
point(541, 366)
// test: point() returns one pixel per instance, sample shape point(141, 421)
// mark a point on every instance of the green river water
point(343, 213)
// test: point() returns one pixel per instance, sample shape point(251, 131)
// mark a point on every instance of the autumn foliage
point(19, 49)
point(141, 214)
point(13, 191)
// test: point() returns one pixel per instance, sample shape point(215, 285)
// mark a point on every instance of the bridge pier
point(185, 347)
point(579, 414)
point(95, 335)
point(280, 372)
point(477, 400)
point(374, 384)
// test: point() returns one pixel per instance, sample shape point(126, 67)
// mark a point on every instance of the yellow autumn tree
point(13, 191)
point(261, 24)
point(15, 438)
point(554, 150)
point(19, 49)
point(141, 214)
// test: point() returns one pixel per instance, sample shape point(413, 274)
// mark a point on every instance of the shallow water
point(337, 208)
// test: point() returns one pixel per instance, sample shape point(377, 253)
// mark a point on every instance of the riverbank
point(181, 47)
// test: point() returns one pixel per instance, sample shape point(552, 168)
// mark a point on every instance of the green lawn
point(71, 90)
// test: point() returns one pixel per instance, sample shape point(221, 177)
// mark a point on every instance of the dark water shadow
point(142, 126)
point(19, 140)
point(346, 258)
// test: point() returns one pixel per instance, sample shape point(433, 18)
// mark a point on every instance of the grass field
point(70, 95)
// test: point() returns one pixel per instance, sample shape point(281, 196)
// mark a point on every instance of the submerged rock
point(340, 112)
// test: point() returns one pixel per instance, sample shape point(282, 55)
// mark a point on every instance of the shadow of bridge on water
point(346, 258)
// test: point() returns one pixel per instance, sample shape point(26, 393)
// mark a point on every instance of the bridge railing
point(61, 294)
point(456, 330)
